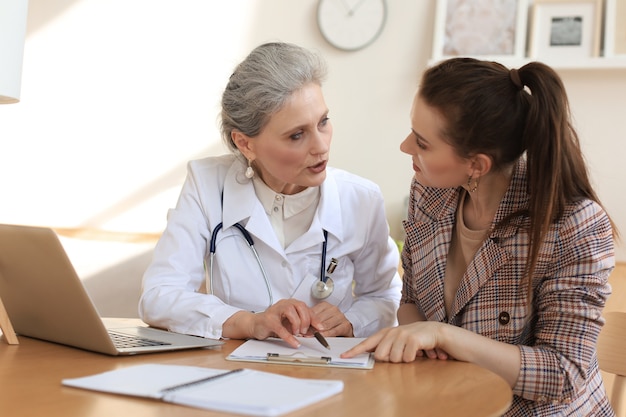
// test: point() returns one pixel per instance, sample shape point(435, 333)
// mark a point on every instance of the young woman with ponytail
point(508, 249)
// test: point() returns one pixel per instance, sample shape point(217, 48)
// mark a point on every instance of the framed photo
point(484, 29)
point(614, 34)
point(565, 29)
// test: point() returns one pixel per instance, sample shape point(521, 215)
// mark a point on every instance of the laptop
point(46, 300)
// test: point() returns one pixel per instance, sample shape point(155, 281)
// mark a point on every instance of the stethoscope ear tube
point(248, 238)
point(324, 287)
point(321, 289)
point(212, 246)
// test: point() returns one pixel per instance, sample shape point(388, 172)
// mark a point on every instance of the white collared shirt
point(290, 215)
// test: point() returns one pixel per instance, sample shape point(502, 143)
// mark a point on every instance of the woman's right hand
point(404, 343)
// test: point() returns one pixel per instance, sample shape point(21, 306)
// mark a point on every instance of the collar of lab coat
point(240, 204)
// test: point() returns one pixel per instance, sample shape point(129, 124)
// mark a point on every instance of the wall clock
point(351, 25)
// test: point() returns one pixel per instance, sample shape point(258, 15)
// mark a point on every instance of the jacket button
point(504, 318)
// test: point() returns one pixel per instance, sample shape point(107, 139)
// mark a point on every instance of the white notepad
point(310, 353)
point(246, 391)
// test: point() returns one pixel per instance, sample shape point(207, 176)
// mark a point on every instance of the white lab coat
point(351, 209)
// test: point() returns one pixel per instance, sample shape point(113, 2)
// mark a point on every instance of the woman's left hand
point(334, 321)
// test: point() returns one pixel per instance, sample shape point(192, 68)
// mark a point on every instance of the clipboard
point(298, 359)
point(310, 353)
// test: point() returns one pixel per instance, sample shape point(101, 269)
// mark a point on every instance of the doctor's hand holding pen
point(288, 318)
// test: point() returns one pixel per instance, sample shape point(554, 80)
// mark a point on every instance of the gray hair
point(262, 83)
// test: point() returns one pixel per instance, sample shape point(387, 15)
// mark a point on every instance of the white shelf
point(599, 63)
point(586, 64)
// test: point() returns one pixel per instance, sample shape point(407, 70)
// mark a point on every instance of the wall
point(118, 94)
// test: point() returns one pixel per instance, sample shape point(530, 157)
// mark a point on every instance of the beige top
point(463, 246)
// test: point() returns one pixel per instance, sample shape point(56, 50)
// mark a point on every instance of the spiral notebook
point(240, 391)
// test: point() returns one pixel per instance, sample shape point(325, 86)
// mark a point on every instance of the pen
point(198, 381)
point(321, 339)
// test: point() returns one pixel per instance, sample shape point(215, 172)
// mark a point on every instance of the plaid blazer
point(557, 332)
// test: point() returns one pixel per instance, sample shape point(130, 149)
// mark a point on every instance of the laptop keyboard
point(124, 341)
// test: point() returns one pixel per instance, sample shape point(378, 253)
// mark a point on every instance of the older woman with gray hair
point(269, 241)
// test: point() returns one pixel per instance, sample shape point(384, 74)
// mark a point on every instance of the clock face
point(351, 24)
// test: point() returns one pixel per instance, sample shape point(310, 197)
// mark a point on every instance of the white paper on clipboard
point(310, 352)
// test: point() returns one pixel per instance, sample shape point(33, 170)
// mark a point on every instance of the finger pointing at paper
point(402, 343)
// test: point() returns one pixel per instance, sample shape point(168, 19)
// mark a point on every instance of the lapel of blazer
point(492, 255)
point(489, 258)
point(429, 236)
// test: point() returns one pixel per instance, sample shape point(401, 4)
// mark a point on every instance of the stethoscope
point(320, 289)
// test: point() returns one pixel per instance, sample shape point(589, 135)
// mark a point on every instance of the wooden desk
point(31, 373)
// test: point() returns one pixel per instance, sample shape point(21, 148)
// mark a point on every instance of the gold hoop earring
point(472, 189)
point(249, 171)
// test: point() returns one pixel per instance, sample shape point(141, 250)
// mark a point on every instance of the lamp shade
point(13, 14)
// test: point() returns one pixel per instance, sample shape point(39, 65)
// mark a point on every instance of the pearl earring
point(249, 171)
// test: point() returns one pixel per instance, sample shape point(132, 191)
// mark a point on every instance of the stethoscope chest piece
point(324, 287)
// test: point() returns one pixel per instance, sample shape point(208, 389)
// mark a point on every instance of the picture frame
point(614, 34)
point(565, 29)
point(484, 29)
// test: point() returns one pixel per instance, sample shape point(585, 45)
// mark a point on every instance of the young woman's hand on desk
point(437, 340)
point(284, 319)
point(403, 343)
